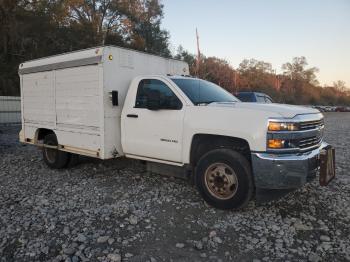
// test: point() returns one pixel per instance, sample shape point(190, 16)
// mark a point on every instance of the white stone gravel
point(115, 211)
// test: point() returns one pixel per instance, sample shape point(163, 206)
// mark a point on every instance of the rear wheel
point(224, 179)
point(52, 157)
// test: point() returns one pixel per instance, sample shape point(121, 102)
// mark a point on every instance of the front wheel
point(52, 157)
point(224, 179)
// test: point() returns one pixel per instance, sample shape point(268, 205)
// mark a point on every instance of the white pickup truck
point(109, 102)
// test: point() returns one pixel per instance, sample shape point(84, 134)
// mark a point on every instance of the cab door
point(154, 131)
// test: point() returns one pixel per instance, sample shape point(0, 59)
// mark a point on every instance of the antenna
point(277, 81)
point(198, 53)
point(235, 80)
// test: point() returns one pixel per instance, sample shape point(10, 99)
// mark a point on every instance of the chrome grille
point(311, 124)
point(310, 142)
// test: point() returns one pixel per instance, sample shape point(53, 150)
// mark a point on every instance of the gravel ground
point(115, 211)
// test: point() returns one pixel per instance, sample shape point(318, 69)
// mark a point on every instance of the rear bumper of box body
point(285, 171)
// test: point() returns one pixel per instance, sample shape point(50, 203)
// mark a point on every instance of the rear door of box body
point(77, 98)
point(38, 100)
point(78, 106)
point(68, 102)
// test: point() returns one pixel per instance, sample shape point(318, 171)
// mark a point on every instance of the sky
point(274, 31)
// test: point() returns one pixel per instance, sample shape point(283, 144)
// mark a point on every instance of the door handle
point(132, 115)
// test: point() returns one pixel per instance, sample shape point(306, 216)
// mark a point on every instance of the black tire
point(52, 157)
point(239, 193)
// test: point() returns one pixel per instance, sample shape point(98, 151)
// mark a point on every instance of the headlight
point(282, 126)
point(281, 144)
point(275, 143)
point(282, 141)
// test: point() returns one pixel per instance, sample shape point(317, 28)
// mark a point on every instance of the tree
point(147, 34)
point(340, 86)
point(134, 23)
point(296, 70)
point(212, 69)
point(217, 71)
point(255, 65)
point(189, 58)
point(21, 38)
point(33, 29)
point(255, 74)
point(299, 82)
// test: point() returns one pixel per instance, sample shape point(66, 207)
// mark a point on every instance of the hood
point(287, 111)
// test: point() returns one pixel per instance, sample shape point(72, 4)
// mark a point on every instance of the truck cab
point(188, 121)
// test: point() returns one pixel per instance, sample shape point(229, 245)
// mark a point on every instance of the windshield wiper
point(205, 103)
point(227, 102)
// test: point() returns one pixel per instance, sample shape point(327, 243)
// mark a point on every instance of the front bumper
point(285, 171)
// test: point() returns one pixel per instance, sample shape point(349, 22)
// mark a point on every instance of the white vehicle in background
point(110, 102)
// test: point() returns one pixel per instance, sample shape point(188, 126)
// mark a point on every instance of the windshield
point(203, 92)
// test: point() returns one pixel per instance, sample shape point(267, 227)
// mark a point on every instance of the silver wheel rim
point(221, 181)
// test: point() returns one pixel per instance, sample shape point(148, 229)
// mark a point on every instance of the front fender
point(246, 124)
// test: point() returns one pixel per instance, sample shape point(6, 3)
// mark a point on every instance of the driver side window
point(168, 100)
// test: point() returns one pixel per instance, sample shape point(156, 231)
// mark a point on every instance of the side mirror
point(174, 103)
point(153, 99)
point(115, 98)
